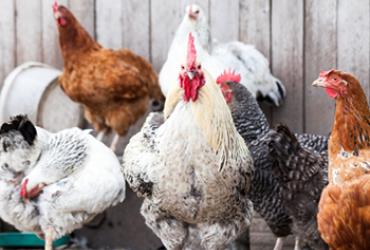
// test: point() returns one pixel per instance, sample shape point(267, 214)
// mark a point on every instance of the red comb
point(228, 76)
point(23, 192)
point(326, 73)
point(55, 6)
point(192, 53)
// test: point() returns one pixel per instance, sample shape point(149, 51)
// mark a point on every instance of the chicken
point(266, 193)
point(344, 209)
point(55, 182)
point(303, 175)
point(191, 165)
point(254, 69)
point(114, 87)
point(243, 58)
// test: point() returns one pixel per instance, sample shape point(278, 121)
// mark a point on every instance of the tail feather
point(261, 82)
point(303, 177)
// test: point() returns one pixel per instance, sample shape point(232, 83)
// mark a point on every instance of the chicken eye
point(197, 12)
point(199, 67)
point(182, 67)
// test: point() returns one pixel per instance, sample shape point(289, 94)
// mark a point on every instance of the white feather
point(244, 59)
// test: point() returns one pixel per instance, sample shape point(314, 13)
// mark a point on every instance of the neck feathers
point(213, 117)
point(75, 41)
point(351, 129)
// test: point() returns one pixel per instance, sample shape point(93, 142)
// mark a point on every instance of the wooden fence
point(300, 38)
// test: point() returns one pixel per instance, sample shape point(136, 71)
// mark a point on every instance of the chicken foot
point(296, 245)
point(114, 143)
point(100, 135)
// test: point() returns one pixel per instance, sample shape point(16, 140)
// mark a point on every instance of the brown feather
point(113, 86)
point(344, 209)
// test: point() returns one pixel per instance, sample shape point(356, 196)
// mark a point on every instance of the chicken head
point(191, 76)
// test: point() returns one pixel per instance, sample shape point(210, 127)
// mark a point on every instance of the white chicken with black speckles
point(53, 183)
point(251, 64)
point(191, 165)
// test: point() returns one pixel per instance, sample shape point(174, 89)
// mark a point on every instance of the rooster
point(54, 183)
point(267, 188)
point(344, 210)
point(191, 165)
point(114, 87)
point(245, 59)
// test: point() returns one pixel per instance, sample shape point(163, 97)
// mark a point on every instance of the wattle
point(191, 88)
point(331, 92)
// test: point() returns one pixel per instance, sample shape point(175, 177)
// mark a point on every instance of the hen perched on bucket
point(114, 87)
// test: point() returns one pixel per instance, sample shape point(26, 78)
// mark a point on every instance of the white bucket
point(32, 88)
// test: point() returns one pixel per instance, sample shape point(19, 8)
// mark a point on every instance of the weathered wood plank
point(254, 24)
point(8, 40)
point(84, 10)
point(255, 28)
point(164, 23)
point(224, 20)
point(136, 28)
point(320, 54)
point(29, 30)
point(109, 23)
point(287, 60)
point(354, 39)
point(50, 42)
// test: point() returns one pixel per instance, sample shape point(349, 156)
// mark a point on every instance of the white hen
point(191, 165)
point(245, 59)
point(74, 177)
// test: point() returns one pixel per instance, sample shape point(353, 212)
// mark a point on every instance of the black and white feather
point(268, 191)
point(82, 178)
point(194, 171)
point(303, 176)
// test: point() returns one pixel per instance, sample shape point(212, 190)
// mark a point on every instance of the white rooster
point(245, 59)
point(52, 184)
point(191, 165)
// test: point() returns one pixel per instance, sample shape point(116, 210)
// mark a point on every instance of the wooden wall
point(300, 38)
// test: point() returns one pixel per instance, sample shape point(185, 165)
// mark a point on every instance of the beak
point(319, 82)
point(57, 15)
point(191, 74)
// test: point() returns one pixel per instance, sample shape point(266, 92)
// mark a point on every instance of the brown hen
point(344, 209)
point(114, 87)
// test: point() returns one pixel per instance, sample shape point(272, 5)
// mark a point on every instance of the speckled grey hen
point(303, 176)
point(191, 165)
point(266, 189)
point(53, 183)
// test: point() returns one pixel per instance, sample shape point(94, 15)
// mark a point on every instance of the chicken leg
point(114, 143)
point(101, 135)
point(49, 240)
point(296, 245)
point(279, 244)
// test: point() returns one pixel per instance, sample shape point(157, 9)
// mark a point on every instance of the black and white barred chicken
point(244, 58)
point(53, 183)
point(267, 189)
point(303, 175)
point(191, 165)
